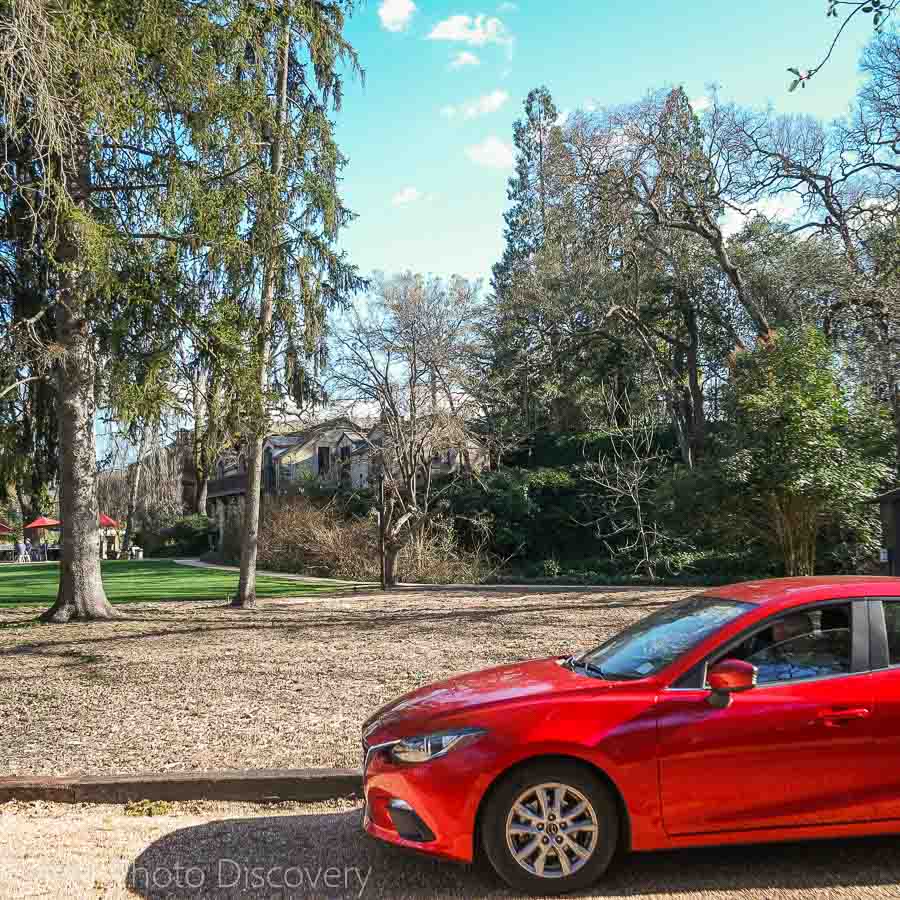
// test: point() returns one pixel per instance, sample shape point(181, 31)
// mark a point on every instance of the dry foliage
point(298, 536)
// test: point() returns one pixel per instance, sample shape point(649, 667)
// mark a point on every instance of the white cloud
point(491, 153)
point(476, 31)
point(480, 106)
point(782, 208)
point(464, 58)
point(507, 7)
point(562, 118)
point(698, 104)
point(395, 14)
point(406, 196)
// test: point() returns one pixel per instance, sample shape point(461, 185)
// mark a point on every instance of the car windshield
point(650, 645)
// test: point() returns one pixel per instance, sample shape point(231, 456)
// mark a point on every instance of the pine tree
point(537, 138)
point(127, 125)
point(297, 214)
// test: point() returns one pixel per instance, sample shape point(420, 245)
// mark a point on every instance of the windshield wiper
point(573, 663)
point(594, 669)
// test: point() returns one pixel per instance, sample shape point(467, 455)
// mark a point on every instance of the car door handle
point(831, 718)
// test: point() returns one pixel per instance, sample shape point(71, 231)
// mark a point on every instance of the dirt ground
point(196, 685)
point(182, 686)
point(206, 850)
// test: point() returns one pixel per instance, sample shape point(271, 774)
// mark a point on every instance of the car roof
point(786, 592)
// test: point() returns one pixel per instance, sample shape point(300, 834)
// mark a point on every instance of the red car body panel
point(781, 762)
point(768, 758)
point(882, 777)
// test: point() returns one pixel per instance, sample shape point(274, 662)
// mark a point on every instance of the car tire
point(529, 842)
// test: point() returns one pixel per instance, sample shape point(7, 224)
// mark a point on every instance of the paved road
point(284, 576)
point(231, 850)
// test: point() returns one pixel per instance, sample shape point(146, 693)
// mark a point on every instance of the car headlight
point(430, 746)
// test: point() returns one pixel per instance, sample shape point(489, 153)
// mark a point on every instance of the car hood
point(461, 694)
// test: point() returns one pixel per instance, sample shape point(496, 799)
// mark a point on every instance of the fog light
point(407, 822)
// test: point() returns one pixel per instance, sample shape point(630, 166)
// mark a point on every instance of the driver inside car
point(797, 647)
point(785, 629)
point(790, 627)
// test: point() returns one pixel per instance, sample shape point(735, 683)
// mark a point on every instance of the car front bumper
point(429, 807)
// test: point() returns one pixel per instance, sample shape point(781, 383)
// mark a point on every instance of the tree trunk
point(202, 410)
point(201, 493)
point(697, 425)
point(391, 552)
point(81, 595)
point(679, 406)
point(29, 503)
point(134, 485)
point(246, 596)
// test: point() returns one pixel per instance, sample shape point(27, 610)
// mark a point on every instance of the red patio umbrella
point(43, 522)
point(107, 522)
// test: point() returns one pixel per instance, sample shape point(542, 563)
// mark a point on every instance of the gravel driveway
point(234, 850)
point(196, 685)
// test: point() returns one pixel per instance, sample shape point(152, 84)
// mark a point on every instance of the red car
point(763, 711)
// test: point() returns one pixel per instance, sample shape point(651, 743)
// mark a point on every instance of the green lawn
point(131, 582)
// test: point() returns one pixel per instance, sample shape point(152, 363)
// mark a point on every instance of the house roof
point(284, 443)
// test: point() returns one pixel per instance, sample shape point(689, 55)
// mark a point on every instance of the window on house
point(324, 460)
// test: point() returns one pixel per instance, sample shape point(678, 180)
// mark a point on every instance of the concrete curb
point(254, 785)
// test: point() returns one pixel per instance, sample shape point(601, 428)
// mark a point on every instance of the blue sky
point(429, 134)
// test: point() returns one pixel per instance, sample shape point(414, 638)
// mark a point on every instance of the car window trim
point(787, 683)
point(878, 636)
point(860, 627)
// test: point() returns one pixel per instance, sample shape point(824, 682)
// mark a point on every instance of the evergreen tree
point(128, 126)
point(537, 139)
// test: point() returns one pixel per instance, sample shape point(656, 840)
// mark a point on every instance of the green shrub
point(187, 536)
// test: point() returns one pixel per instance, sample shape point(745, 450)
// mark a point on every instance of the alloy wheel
point(552, 830)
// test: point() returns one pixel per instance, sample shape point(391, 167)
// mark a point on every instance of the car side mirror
point(730, 676)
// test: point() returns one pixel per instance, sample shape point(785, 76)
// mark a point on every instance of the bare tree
point(667, 175)
point(140, 481)
point(625, 475)
point(845, 178)
point(404, 361)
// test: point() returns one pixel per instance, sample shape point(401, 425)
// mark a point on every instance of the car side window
point(804, 644)
point(807, 656)
point(892, 620)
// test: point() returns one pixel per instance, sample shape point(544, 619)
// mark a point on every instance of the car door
point(790, 752)
point(882, 787)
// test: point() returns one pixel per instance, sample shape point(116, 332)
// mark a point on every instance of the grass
point(147, 581)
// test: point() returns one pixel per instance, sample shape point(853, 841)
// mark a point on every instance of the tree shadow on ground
point(254, 857)
point(340, 620)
